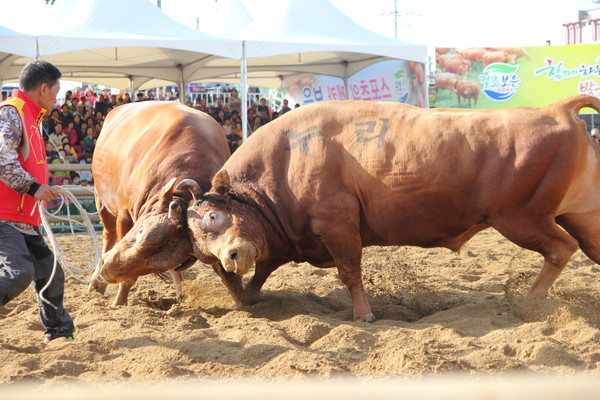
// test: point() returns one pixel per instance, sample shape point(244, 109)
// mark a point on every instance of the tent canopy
point(310, 36)
point(93, 43)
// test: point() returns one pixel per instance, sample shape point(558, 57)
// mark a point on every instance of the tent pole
point(346, 80)
point(37, 48)
point(131, 94)
point(244, 93)
point(182, 93)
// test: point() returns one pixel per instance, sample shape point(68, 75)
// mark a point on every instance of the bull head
point(157, 241)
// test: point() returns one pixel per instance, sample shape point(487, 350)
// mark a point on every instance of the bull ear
point(220, 183)
point(166, 193)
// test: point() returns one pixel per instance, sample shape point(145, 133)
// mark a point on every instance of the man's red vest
point(14, 206)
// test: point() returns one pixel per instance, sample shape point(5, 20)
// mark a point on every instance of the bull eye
point(212, 221)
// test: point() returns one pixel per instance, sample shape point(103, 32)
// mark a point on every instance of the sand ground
point(438, 313)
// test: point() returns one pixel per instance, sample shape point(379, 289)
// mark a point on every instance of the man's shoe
point(48, 338)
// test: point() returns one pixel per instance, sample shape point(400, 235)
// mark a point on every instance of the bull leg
point(554, 244)
point(344, 243)
point(177, 279)
point(585, 228)
point(109, 238)
point(123, 293)
point(233, 283)
point(261, 273)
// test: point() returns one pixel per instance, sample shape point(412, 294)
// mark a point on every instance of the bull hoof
point(367, 318)
point(97, 286)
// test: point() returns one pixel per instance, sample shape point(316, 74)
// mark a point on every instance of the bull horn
point(174, 207)
point(192, 186)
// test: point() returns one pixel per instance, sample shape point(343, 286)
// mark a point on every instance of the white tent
point(101, 41)
point(309, 36)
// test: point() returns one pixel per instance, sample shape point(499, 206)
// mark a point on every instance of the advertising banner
point(393, 80)
point(481, 77)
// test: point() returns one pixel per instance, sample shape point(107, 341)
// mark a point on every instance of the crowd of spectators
point(72, 129)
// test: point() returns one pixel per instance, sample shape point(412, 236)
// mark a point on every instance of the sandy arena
point(437, 312)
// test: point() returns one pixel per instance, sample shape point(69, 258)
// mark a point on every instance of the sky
point(442, 23)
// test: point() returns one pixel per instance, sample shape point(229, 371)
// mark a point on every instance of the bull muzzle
point(239, 257)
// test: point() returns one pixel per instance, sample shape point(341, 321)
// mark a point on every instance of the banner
point(482, 77)
point(393, 80)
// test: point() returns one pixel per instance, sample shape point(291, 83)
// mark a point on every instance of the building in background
point(586, 30)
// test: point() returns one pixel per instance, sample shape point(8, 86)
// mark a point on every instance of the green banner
point(478, 77)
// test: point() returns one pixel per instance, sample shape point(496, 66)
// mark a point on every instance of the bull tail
point(574, 104)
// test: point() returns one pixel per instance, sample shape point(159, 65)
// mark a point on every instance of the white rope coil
point(93, 254)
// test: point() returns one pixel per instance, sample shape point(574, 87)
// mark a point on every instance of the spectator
point(65, 115)
point(4, 96)
point(70, 153)
point(221, 117)
point(57, 136)
point(257, 123)
point(89, 96)
point(140, 97)
point(65, 181)
point(226, 111)
point(264, 110)
point(45, 126)
point(61, 159)
point(234, 139)
point(102, 102)
point(75, 178)
point(54, 118)
point(87, 175)
point(227, 125)
point(596, 135)
point(126, 98)
point(234, 102)
point(79, 110)
point(77, 93)
point(159, 95)
point(51, 152)
point(170, 96)
point(218, 105)
point(149, 95)
point(285, 107)
point(264, 118)
point(71, 133)
point(275, 115)
point(89, 141)
point(73, 105)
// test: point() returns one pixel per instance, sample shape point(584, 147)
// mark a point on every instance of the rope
point(94, 254)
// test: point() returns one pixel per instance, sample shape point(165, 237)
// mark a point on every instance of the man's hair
point(36, 73)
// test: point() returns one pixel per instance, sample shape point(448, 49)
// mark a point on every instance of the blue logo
point(499, 81)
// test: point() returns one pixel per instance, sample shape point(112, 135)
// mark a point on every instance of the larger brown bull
point(323, 181)
point(142, 150)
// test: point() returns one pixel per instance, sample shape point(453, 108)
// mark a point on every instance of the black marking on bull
point(303, 138)
point(370, 129)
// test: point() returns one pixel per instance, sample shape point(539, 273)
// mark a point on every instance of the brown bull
point(325, 180)
point(142, 150)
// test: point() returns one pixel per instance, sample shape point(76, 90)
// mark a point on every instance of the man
point(24, 255)
point(285, 108)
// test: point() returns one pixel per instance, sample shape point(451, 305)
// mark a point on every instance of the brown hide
point(325, 180)
point(142, 150)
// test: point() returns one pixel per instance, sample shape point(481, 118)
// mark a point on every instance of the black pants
point(25, 259)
